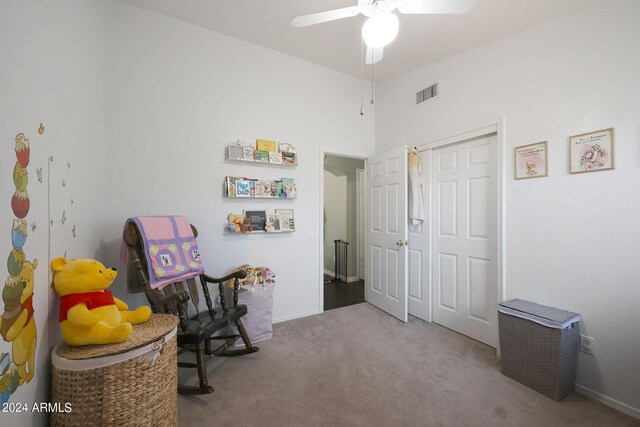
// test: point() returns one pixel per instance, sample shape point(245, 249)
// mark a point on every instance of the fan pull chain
point(372, 89)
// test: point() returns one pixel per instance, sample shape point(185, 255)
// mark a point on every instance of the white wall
point(335, 215)
point(52, 70)
point(571, 240)
point(180, 95)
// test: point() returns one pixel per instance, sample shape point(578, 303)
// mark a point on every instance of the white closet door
point(419, 255)
point(464, 227)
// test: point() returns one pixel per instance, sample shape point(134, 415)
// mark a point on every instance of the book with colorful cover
point(266, 145)
point(243, 188)
point(261, 156)
point(289, 188)
point(278, 190)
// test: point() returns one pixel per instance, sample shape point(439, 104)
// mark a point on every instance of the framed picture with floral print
point(591, 152)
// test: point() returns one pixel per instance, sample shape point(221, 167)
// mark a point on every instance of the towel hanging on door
point(416, 205)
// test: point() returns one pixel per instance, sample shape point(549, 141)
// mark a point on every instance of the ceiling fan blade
point(320, 17)
point(374, 54)
point(435, 6)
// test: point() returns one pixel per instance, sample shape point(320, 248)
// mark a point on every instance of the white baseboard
point(329, 273)
point(615, 404)
point(295, 316)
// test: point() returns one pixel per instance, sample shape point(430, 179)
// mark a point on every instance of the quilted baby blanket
point(170, 248)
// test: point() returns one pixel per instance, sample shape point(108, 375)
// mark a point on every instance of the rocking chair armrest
point(241, 274)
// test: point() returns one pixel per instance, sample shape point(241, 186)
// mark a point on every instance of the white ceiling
point(422, 39)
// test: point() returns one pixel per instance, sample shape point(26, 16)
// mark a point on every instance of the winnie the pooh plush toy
point(89, 314)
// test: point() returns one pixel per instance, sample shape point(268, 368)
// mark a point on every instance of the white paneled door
point(386, 280)
point(419, 255)
point(464, 230)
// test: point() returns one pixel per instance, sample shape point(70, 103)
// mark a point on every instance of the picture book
point(262, 188)
point(243, 188)
point(275, 158)
point(266, 145)
point(285, 217)
point(289, 158)
point(289, 188)
point(236, 151)
point(273, 222)
point(230, 185)
point(285, 146)
point(278, 190)
point(258, 219)
point(261, 156)
point(248, 148)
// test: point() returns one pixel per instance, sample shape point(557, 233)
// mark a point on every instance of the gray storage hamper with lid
point(539, 346)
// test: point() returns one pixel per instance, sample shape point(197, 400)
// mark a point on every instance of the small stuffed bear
point(89, 314)
point(247, 225)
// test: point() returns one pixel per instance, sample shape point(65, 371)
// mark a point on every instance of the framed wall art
point(531, 161)
point(591, 152)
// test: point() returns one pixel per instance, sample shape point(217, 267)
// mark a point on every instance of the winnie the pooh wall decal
point(17, 324)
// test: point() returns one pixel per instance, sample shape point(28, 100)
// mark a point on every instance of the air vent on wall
point(428, 93)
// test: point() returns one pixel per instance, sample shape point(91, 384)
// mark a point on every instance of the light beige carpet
point(358, 366)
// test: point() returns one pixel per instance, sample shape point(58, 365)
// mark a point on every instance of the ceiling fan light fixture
point(380, 29)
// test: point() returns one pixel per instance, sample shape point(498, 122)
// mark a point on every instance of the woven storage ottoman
point(133, 383)
point(539, 346)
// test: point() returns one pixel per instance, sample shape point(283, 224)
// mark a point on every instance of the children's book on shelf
point(289, 188)
point(263, 188)
point(278, 190)
point(266, 145)
point(243, 188)
point(285, 146)
point(261, 156)
point(289, 158)
point(248, 147)
point(285, 217)
point(273, 222)
point(230, 185)
point(258, 219)
point(236, 151)
point(275, 158)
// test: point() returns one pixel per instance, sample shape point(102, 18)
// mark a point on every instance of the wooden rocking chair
point(196, 329)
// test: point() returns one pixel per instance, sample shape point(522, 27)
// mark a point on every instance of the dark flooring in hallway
point(340, 294)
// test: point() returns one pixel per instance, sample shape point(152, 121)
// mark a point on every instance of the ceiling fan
point(382, 24)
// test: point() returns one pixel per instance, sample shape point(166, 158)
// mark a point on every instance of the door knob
point(402, 243)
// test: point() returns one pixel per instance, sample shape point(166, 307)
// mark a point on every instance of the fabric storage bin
point(133, 383)
point(539, 346)
point(257, 322)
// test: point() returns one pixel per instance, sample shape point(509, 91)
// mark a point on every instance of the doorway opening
point(343, 231)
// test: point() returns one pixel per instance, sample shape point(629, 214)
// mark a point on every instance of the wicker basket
point(131, 383)
point(539, 346)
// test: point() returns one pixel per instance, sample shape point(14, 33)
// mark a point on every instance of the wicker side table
point(130, 383)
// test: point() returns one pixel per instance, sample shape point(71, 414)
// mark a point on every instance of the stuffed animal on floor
point(89, 314)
